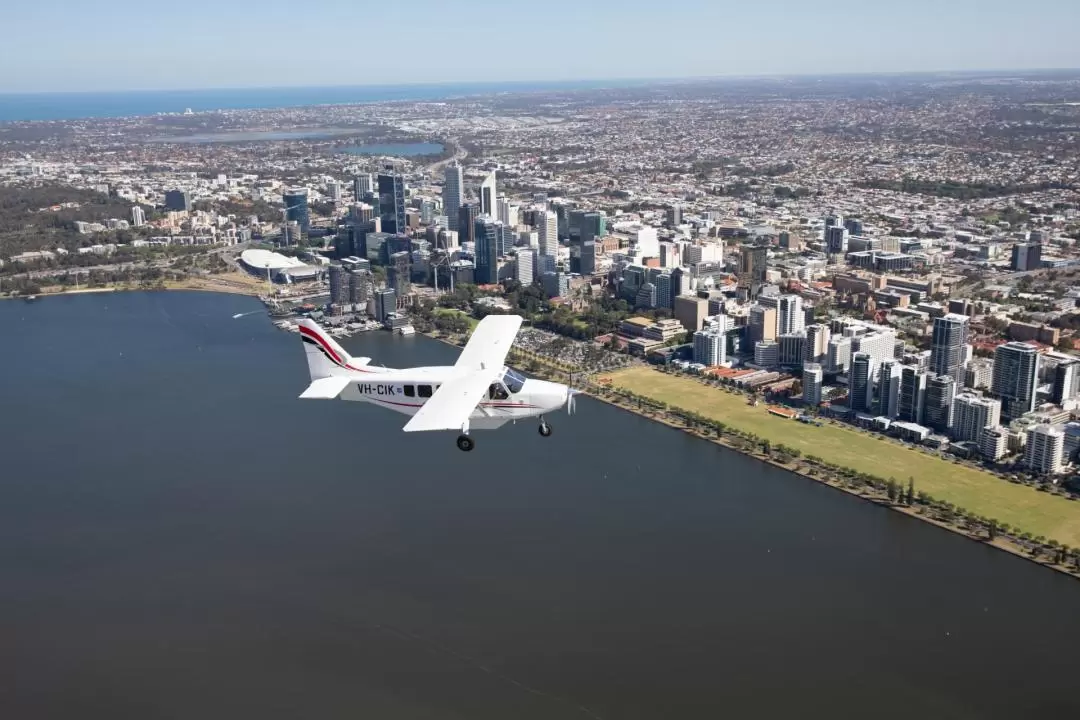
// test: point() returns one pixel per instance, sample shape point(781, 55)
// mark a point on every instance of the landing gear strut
point(545, 429)
point(465, 443)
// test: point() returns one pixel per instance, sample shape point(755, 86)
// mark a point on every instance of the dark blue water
point(65, 106)
point(180, 537)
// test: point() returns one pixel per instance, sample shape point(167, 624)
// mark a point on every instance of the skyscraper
point(296, 209)
point(812, 379)
point(664, 294)
point(836, 240)
point(385, 303)
point(548, 226)
point(451, 195)
point(487, 251)
point(947, 346)
point(838, 358)
point(972, 414)
point(938, 409)
point(889, 375)
point(790, 318)
point(861, 385)
point(487, 196)
point(912, 394)
point(761, 323)
point(817, 343)
point(392, 202)
point(1066, 381)
point(362, 185)
point(525, 272)
point(138, 217)
point(467, 214)
point(1016, 375)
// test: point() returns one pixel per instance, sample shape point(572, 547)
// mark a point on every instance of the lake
point(180, 536)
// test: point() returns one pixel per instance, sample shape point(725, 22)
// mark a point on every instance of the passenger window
point(423, 391)
point(410, 391)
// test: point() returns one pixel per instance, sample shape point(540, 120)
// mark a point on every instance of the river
point(181, 537)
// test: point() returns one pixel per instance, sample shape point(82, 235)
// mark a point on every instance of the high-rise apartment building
point(1016, 376)
point(710, 345)
point(812, 381)
point(1044, 452)
point(525, 272)
point(817, 343)
point(838, 359)
point(791, 318)
point(972, 414)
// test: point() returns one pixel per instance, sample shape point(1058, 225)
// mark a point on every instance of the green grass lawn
point(976, 491)
point(451, 311)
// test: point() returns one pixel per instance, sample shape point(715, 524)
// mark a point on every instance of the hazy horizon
point(666, 79)
point(69, 46)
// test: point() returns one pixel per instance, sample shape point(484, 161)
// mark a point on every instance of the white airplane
point(478, 392)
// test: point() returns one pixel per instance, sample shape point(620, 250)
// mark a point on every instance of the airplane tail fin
point(325, 357)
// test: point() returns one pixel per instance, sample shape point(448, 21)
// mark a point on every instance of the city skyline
point(192, 52)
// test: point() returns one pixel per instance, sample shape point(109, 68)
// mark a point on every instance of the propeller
point(570, 402)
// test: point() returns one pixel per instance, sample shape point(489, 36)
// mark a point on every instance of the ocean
point(181, 537)
point(68, 106)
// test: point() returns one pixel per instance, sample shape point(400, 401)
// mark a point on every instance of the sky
point(76, 45)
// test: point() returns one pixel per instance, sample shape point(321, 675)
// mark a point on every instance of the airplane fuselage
point(405, 391)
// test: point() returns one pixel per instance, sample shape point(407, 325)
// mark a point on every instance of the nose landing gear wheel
point(545, 429)
point(465, 443)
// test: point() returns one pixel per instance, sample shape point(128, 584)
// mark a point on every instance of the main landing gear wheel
point(544, 429)
point(465, 443)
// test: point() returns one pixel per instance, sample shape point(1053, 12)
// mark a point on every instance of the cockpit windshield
point(513, 380)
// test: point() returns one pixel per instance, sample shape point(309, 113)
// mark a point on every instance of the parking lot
point(583, 355)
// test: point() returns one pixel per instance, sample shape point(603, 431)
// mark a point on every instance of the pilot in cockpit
point(512, 380)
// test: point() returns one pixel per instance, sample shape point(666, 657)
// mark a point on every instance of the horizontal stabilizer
point(325, 388)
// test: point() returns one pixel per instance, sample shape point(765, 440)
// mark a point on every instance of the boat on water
point(406, 330)
point(31, 298)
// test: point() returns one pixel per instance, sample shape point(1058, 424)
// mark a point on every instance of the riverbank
point(922, 507)
point(230, 283)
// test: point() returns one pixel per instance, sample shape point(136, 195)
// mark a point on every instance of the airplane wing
point(454, 401)
point(490, 342)
point(325, 388)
